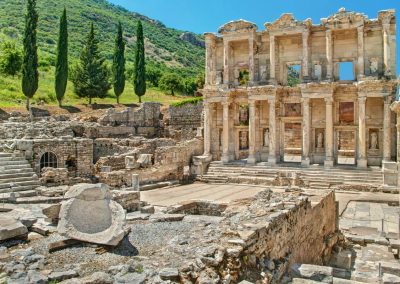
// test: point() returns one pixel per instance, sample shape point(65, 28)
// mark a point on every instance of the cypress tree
point(119, 64)
point(139, 75)
point(30, 74)
point(91, 76)
point(62, 59)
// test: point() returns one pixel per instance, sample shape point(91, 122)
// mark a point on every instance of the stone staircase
point(16, 176)
point(315, 176)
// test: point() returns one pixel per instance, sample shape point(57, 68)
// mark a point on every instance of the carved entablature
point(377, 88)
point(239, 26)
point(287, 23)
point(344, 20)
point(386, 16)
point(210, 38)
point(317, 90)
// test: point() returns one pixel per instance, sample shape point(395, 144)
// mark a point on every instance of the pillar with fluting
point(305, 160)
point(210, 59)
point(225, 132)
point(362, 147)
point(360, 48)
point(329, 55)
point(329, 159)
point(272, 132)
point(386, 48)
point(272, 57)
point(252, 133)
point(251, 58)
point(207, 129)
point(226, 61)
point(387, 134)
point(305, 53)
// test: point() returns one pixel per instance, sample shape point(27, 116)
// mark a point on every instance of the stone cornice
point(287, 22)
point(239, 26)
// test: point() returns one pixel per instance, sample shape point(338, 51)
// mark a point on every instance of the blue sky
point(201, 16)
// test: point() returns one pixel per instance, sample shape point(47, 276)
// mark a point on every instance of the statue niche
point(243, 140)
point(244, 115)
point(266, 137)
point(373, 139)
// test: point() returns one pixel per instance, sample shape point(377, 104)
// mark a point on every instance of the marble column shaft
point(251, 59)
point(272, 56)
point(225, 132)
point(252, 133)
point(329, 54)
point(272, 132)
point(362, 149)
point(329, 131)
point(207, 129)
point(386, 48)
point(226, 61)
point(305, 53)
point(387, 133)
point(306, 130)
point(360, 45)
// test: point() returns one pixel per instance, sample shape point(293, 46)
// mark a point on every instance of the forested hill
point(165, 47)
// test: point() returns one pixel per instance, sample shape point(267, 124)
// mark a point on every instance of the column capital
point(225, 104)
point(328, 100)
point(252, 103)
point(328, 32)
point(305, 34)
point(362, 100)
point(305, 101)
point(388, 99)
point(360, 29)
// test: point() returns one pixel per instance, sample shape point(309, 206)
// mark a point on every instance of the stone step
point(6, 155)
point(263, 169)
point(7, 163)
point(17, 171)
point(16, 184)
point(14, 158)
point(15, 177)
point(18, 188)
point(16, 167)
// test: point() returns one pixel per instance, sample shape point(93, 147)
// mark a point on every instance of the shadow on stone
point(125, 248)
point(71, 109)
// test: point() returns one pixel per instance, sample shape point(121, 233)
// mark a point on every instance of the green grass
point(193, 101)
point(12, 96)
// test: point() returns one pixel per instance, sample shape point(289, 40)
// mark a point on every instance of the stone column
point(386, 48)
point(210, 60)
point(305, 161)
point(226, 61)
point(360, 32)
point(387, 134)
point(272, 132)
point(251, 59)
point(329, 55)
point(272, 57)
point(328, 132)
point(252, 133)
point(362, 149)
point(225, 133)
point(305, 53)
point(207, 129)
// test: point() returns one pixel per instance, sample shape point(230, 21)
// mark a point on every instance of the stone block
point(91, 216)
point(312, 272)
point(11, 228)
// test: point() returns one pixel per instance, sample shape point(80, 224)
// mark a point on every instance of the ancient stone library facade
point(282, 94)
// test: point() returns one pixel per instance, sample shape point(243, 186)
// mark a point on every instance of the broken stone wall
point(184, 120)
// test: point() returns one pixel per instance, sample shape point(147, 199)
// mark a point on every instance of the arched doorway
point(48, 160)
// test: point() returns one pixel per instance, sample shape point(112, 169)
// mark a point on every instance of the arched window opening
point(48, 160)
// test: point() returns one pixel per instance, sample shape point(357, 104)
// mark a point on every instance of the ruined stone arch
point(48, 160)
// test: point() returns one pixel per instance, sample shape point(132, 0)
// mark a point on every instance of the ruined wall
point(184, 120)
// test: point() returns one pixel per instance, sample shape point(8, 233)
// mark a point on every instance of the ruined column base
point(305, 162)
point(252, 159)
point(328, 163)
point(225, 158)
point(271, 161)
point(390, 173)
point(362, 163)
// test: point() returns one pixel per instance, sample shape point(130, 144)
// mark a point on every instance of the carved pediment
point(386, 16)
point(239, 26)
point(377, 86)
point(344, 19)
point(285, 22)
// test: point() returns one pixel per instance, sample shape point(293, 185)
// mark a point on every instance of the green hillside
point(164, 47)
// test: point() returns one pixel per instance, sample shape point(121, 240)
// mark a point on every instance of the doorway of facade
point(292, 142)
point(346, 147)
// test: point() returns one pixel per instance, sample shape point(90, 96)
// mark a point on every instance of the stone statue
point(243, 140)
point(373, 66)
point(219, 78)
point(320, 140)
point(237, 76)
point(266, 137)
point(374, 141)
point(263, 71)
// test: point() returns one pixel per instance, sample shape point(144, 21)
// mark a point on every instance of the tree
point(153, 75)
point(10, 59)
point(189, 86)
point(30, 74)
point(200, 80)
point(62, 59)
point(91, 76)
point(170, 82)
point(119, 64)
point(139, 74)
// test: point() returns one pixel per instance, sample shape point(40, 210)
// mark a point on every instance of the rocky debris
point(159, 217)
point(169, 274)
point(147, 209)
point(52, 212)
point(313, 272)
point(54, 176)
point(57, 276)
point(390, 279)
point(11, 228)
point(91, 216)
point(56, 191)
point(145, 160)
point(129, 200)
